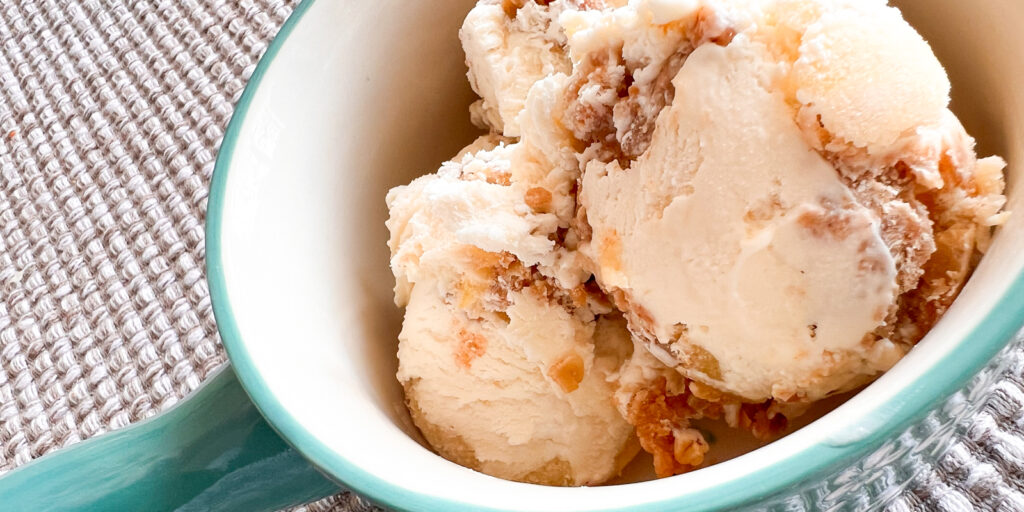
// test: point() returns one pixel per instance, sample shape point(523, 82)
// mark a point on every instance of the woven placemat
point(111, 113)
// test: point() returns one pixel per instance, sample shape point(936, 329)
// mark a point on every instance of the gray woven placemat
point(111, 113)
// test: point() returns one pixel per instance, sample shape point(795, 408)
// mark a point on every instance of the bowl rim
point(945, 377)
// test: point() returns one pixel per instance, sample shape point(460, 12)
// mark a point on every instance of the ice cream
point(508, 48)
point(768, 233)
point(771, 273)
point(505, 371)
point(773, 194)
point(524, 399)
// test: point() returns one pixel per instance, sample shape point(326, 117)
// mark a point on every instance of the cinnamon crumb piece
point(764, 210)
point(689, 447)
point(471, 346)
point(502, 179)
point(662, 422)
point(539, 199)
point(611, 252)
point(579, 296)
point(832, 223)
point(568, 372)
point(511, 7)
point(705, 392)
point(698, 358)
point(756, 419)
point(658, 416)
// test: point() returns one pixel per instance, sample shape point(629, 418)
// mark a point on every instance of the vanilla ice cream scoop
point(506, 369)
point(525, 398)
point(772, 234)
point(739, 250)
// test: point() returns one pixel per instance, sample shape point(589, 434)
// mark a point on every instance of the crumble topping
point(662, 419)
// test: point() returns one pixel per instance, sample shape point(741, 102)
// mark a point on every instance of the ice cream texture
point(684, 209)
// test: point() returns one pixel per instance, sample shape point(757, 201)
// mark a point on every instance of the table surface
point(111, 113)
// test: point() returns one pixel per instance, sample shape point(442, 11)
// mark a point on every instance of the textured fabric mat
point(111, 113)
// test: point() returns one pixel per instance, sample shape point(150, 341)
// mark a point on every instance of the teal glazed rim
point(946, 377)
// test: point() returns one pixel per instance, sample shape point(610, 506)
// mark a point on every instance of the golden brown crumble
point(511, 7)
point(539, 199)
point(934, 244)
point(471, 346)
point(944, 275)
point(580, 296)
point(591, 122)
point(662, 421)
point(473, 290)
point(697, 358)
point(641, 325)
point(760, 422)
point(890, 192)
point(487, 287)
point(503, 179)
point(595, 122)
point(657, 415)
point(691, 355)
point(763, 211)
point(831, 223)
point(567, 372)
point(956, 246)
point(611, 252)
point(689, 447)
point(644, 104)
point(487, 175)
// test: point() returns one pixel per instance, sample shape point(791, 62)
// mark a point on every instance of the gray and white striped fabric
point(111, 113)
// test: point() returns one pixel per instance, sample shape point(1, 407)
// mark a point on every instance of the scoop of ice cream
point(506, 369)
point(524, 398)
point(768, 229)
point(742, 252)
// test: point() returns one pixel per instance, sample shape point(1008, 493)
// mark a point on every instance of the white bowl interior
point(365, 96)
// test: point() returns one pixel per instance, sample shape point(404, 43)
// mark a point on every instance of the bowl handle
point(212, 451)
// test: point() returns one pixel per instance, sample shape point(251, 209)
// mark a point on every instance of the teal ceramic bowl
point(353, 98)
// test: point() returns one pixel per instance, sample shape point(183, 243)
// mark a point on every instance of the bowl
point(354, 98)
